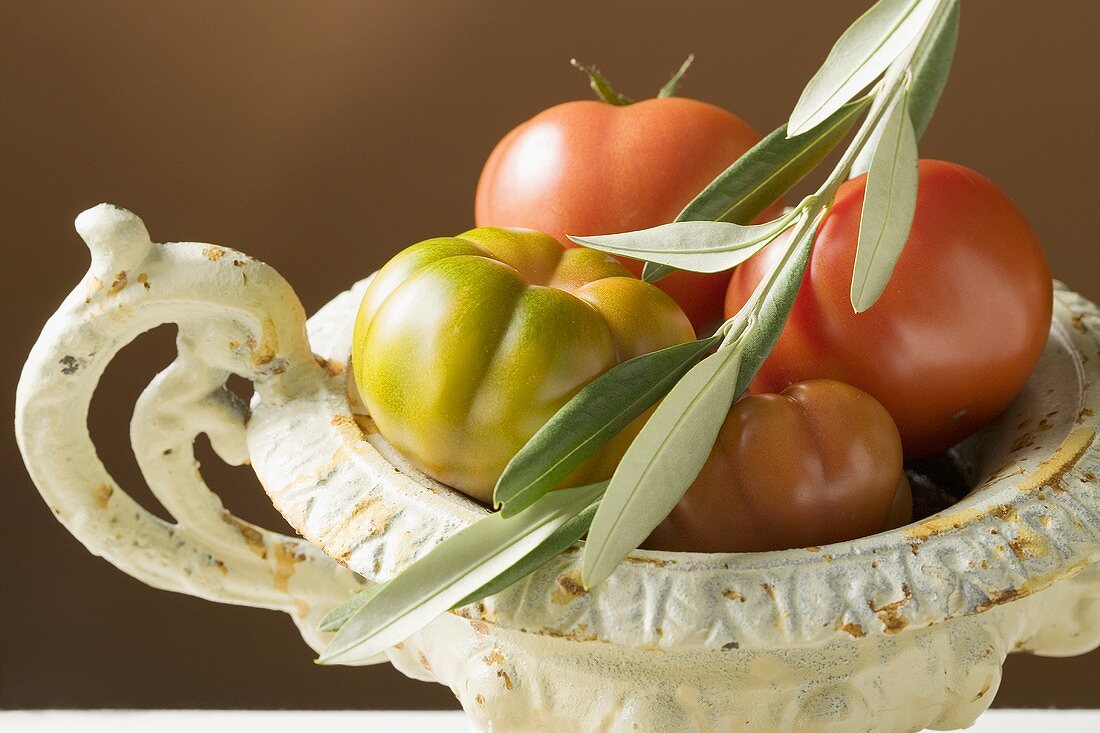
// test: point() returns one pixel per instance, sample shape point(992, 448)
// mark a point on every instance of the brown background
point(323, 137)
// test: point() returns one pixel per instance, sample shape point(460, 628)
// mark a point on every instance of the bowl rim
point(1027, 526)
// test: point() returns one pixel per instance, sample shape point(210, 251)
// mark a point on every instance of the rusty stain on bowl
point(569, 588)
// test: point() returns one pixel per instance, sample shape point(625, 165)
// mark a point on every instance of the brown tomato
point(818, 463)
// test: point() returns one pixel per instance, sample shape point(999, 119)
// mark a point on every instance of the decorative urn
point(899, 631)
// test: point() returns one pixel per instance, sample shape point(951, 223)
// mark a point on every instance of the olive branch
point(900, 52)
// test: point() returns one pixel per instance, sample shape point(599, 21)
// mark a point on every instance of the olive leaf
point(769, 169)
point(452, 571)
point(669, 89)
point(762, 175)
point(591, 418)
point(700, 246)
point(859, 56)
point(561, 540)
point(661, 463)
point(335, 619)
point(889, 202)
point(777, 301)
point(931, 67)
point(670, 450)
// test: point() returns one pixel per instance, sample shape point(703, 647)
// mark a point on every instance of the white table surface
point(296, 721)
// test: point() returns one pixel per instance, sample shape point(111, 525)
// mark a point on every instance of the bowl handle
point(235, 315)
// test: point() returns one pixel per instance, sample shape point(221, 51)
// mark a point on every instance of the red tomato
point(594, 168)
point(959, 329)
point(819, 463)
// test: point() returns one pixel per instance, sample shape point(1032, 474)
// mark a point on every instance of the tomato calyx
point(607, 93)
point(669, 89)
point(601, 86)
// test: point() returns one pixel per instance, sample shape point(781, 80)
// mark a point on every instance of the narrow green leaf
point(595, 415)
point(859, 56)
point(889, 203)
point(669, 89)
point(335, 619)
point(700, 246)
point(453, 570)
point(652, 272)
point(777, 303)
point(564, 538)
point(601, 86)
point(666, 456)
point(661, 463)
point(761, 176)
point(931, 69)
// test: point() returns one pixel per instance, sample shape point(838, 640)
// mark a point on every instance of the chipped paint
point(286, 562)
point(1063, 460)
point(349, 428)
point(892, 620)
point(853, 629)
point(253, 538)
point(657, 562)
point(1029, 543)
point(260, 353)
point(118, 284)
point(102, 495)
point(569, 589)
point(1006, 512)
point(946, 521)
point(996, 599)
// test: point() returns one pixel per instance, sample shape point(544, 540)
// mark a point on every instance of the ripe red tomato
point(594, 168)
point(959, 329)
point(819, 463)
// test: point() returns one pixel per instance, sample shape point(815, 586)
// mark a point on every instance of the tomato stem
point(601, 86)
point(669, 89)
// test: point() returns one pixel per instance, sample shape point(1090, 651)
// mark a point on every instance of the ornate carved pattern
point(235, 316)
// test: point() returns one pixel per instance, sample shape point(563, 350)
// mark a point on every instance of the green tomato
point(465, 346)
